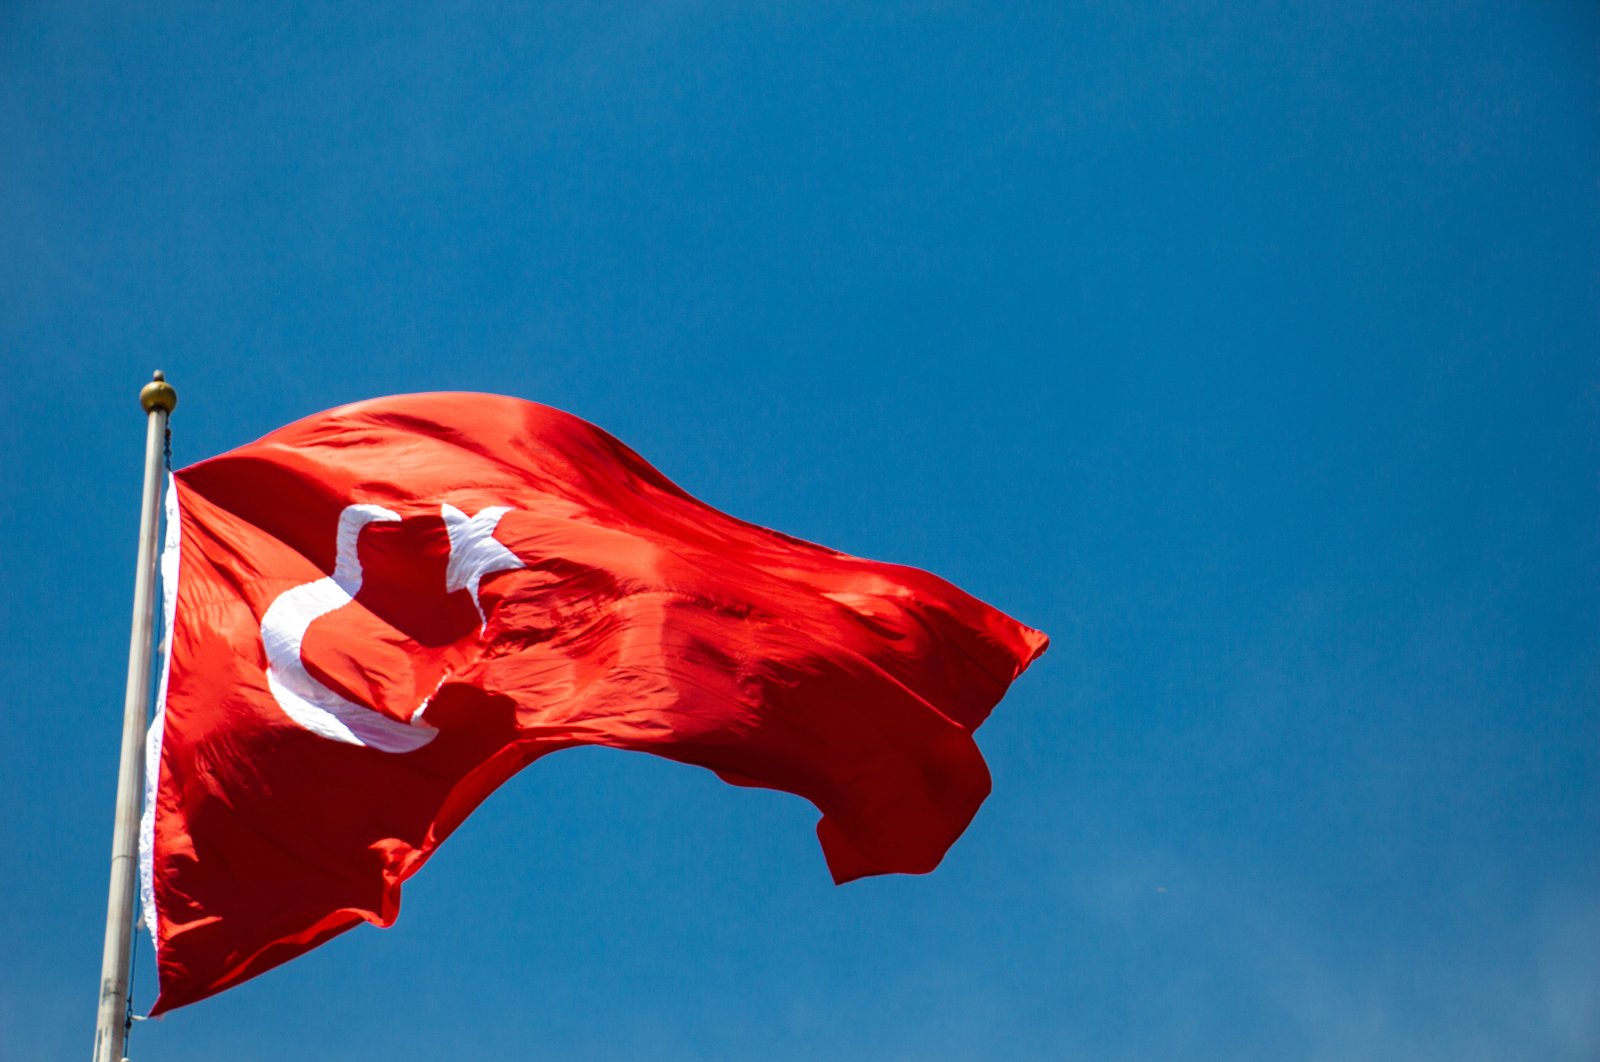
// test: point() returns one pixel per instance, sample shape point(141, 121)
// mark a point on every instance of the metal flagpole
point(158, 399)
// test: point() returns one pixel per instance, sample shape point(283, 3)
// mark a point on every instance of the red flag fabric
point(380, 613)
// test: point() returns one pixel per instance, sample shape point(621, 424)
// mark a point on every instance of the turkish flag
point(380, 613)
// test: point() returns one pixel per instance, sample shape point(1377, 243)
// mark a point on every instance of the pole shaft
point(110, 1029)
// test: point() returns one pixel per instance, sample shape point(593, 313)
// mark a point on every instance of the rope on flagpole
point(133, 968)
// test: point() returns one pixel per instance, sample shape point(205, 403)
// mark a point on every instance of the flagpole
point(158, 399)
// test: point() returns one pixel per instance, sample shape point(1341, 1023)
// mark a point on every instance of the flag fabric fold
point(380, 613)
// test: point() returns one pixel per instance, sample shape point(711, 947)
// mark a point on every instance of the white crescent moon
point(283, 629)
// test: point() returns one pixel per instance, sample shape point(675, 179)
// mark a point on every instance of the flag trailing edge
point(376, 615)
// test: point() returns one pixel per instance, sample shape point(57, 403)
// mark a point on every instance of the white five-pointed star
point(474, 551)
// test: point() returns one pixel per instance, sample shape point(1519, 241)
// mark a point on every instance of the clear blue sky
point(1251, 350)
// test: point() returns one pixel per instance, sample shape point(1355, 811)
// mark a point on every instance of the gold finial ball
point(158, 394)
